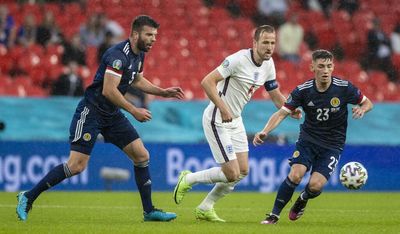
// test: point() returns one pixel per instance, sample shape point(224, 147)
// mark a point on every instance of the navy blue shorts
point(315, 157)
point(87, 123)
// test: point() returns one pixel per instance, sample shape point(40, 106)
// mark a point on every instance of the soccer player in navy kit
point(99, 112)
point(322, 137)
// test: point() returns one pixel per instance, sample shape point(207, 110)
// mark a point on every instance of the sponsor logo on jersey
point(296, 154)
point(310, 104)
point(117, 64)
point(87, 137)
point(225, 63)
point(335, 102)
point(130, 66)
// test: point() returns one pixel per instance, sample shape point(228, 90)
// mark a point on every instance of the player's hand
point(358, 112)
point(142, 115)
point(259, 138)
point(175, 92)
point(226, 116)
point(296, 114)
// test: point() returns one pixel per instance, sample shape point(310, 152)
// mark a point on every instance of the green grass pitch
point(120, 212)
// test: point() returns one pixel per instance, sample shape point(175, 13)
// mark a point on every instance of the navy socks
point(53, 177)
point(284, 195)
point(143, 182)
point(308, 194)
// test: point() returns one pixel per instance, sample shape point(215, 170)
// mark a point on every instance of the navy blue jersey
point(118, 60)
point(326, 112)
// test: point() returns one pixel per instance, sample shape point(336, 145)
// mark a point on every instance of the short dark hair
point(143, 20)
point(261, 29)
point(322, 54)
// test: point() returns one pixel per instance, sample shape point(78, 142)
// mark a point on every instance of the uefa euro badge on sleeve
point(117, 64)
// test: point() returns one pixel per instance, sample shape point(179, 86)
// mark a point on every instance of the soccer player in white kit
point(229, 87)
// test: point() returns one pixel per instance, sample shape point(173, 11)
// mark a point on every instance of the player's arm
point(111, 92)
point(146, 86)
point(355, 97)
point(272, 123)
point(209, 84)
point(279, 100)
point(365, 106)
point(277, 97)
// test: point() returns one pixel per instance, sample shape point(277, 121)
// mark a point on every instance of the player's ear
point(312, 67)
point(135, 35)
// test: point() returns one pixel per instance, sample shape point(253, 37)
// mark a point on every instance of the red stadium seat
point(22, 81)
point(5, 81)
point(91, 56)
point(14, 90)
point(248, 8)
point(5, 62)
point(221, 3)
point(378, 79)
point(35, 91)
point(396, 61)
point(211, 35)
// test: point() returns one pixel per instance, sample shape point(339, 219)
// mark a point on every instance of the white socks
point(209, 176)
point(218, 192)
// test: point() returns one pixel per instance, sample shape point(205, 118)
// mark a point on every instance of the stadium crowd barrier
point(48, 119)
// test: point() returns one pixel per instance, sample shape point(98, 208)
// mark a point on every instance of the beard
point(141, 45)
point(264, 57)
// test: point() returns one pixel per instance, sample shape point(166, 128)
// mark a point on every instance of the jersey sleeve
point(354, 95)
point(228, 66)
point(140, 71)
point(293, 101)
point(271, 82)
point(115, 63)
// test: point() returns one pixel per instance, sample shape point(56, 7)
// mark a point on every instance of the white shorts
point(225, 139)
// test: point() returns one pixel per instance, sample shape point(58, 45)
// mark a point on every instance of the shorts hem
point(80, 149)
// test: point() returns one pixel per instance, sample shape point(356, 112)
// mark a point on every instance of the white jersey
point(242, 77)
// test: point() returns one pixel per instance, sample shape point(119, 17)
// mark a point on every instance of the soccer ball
point(353, 175)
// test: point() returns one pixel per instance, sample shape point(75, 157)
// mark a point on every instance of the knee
point(315, 186)
point(232, 176)
point(295, 177)
point(243, 173)
point(76, 167)
point(139, 157)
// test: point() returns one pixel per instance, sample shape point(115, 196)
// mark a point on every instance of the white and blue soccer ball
point(353, 175)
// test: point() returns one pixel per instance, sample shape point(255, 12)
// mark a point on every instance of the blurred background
point(49, 52)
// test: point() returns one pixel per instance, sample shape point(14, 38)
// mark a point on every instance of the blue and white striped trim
point(340, 82)
point(79, 125)
point(306, 85)
point(126, 48)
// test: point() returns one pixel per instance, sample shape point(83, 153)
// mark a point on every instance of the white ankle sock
point(209, 176)
point(219, 191)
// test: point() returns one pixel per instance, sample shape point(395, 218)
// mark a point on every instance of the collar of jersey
point(253, 60)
